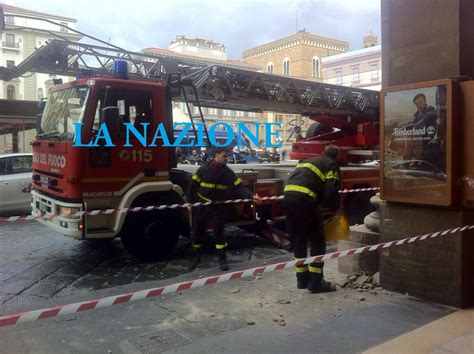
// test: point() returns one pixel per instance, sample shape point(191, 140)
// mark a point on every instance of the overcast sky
point(238, 24)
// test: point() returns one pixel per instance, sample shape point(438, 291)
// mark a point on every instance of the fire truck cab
point(68, 179)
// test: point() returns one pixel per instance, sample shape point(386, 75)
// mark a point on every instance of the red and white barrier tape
point(198, 283)
point(359, 190)
point(133, 209)
point(157, 207)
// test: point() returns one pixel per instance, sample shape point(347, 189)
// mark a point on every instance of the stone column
point(427, 40)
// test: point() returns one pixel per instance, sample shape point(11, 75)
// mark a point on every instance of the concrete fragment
point(376, 278)
point(283, 301)
point(362, 279)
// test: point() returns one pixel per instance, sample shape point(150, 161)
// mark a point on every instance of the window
point(40, 94)
point(270, 68)
point(286, 67)
point(10, 63)
point(315, 67)
point(355, 74)
point(11, 92)
point(10, 40)
point(134, 107)
point(63, 109)
point(338, 77)
point(9, 20)
point(374, 71)
point(21, 164)
point(63, 29)
point(213, 111)
point(3, 166)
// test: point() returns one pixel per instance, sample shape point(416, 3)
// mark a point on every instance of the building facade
point(299, 55)
point(214, 53)
point(358, 68)
point(199, 47)
point(20, 38)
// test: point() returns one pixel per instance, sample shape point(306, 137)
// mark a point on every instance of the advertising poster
point(415, 144)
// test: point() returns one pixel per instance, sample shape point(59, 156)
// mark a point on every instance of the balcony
point(10, 45)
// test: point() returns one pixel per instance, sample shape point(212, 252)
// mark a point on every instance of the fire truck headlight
point(69, 212)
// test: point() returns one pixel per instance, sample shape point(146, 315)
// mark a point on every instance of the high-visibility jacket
point(213, 182)
point(312, 177)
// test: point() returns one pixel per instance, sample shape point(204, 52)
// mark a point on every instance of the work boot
point(317, 284)
point(302, 279)
point(194, 259)
point(222, 260)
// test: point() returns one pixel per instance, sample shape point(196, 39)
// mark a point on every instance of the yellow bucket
point(337, 228)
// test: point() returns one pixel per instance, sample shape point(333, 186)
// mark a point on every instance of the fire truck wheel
point(317, 128)
point(357, 206)
point(149, 238)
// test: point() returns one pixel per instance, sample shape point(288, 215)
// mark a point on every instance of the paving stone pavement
point(37, 263)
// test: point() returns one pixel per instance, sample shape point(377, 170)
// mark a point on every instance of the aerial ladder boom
point(224, 85)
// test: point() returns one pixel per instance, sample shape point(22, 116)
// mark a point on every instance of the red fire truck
point(68, 179)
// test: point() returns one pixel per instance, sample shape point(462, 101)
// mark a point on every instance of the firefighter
point(314, 183)
point(202, 157)
point(213, 181)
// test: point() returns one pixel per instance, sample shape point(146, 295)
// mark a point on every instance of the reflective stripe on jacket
point(213, 183)
point(309, 177)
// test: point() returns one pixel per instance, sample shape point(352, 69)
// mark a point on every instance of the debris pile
point(362, 282)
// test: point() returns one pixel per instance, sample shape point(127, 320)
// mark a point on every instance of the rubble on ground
point(362, 282)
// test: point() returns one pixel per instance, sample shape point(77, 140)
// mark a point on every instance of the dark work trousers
point(217, 213)
point(304, 224)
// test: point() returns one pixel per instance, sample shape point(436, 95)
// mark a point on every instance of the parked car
point(414, 169)
point(244, 154)
point(15, 183)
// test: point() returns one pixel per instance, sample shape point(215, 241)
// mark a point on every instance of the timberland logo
point(410, 132)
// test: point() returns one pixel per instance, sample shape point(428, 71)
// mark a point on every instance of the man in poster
point(425, 120)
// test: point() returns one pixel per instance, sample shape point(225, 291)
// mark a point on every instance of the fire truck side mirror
point(39, 115)
point(110, 116)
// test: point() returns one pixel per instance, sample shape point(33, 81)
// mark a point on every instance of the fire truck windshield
point(62, 110)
